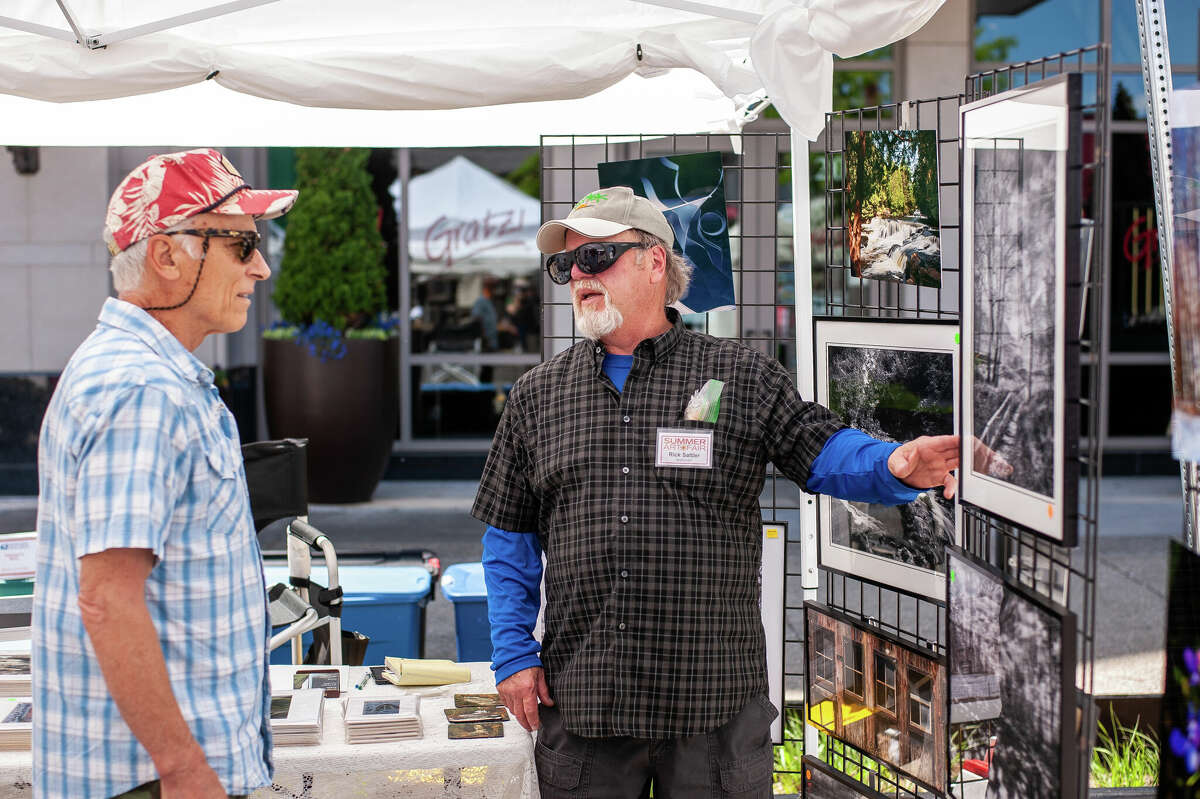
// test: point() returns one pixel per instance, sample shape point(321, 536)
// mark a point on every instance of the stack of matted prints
point(296, 717)
point(375, 719)
point(16, 723)
point(14, 668)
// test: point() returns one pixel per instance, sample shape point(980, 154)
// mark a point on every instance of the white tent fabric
point(464, 219)
point(357, 56)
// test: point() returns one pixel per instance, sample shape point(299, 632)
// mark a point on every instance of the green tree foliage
point(528, 176)
point(995, 50)
point(332, 266)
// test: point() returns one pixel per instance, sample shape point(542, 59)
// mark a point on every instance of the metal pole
point(1156, 75)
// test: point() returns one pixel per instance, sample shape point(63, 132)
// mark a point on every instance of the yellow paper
point(412, 671)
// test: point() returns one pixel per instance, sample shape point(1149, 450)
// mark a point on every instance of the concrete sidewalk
point(1138, 516)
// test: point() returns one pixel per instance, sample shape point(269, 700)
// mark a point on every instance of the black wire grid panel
point(1064, 575)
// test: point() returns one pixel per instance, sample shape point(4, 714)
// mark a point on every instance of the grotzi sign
point(450, 240)
point(464, 219)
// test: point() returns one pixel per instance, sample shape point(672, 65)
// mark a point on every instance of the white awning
point(388, 72)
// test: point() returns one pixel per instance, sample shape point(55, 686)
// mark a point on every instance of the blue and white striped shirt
point(138, 451)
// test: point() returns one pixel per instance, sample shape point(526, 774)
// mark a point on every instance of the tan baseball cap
point(602, 213)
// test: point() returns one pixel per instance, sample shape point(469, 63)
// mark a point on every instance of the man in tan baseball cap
point(634, 460)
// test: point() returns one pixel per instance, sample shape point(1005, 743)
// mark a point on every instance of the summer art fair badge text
point(688, 449)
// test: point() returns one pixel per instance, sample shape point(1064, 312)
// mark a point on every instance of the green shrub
point(333, 269)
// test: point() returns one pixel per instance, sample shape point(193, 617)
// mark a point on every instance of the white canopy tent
point(464, 219)
point(389, 72)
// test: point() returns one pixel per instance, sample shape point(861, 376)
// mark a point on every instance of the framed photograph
point(690, 191)
point(1012, 683)
point(877, 693)
point(1179, 760)
point(892, 206)
point(823, 781)
point(1020, 316)
point(894, 381)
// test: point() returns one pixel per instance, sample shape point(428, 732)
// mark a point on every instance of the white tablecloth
point(430, 766)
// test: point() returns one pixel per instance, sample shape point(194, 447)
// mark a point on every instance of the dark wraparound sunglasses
point(592, 258)
point(247, 244)
point(248, 238)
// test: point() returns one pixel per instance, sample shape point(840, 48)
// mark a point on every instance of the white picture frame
point(1020, 316)
point(904, 343)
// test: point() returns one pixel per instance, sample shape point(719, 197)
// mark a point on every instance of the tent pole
point(707, 9)
point(72, 20)
point(33, 27)
point(105, 39)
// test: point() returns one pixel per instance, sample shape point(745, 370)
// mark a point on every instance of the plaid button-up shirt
point(652, 621)
point(138, 451)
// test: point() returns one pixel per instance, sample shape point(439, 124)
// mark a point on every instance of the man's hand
point(192, 779)
point(521, 693)
point(927, 462)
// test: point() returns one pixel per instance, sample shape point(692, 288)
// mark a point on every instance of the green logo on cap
point(591, 199)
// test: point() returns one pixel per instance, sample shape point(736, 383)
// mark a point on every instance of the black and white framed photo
point(877, 693)
point(894, 380)
point(823, 781)
point(1020, 316)
point(1012, 683)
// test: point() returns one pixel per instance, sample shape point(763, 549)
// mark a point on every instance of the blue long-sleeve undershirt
point(852, 465)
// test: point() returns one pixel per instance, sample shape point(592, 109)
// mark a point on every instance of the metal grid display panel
point(848, 295)
point(1066, 576)
point(757, 166)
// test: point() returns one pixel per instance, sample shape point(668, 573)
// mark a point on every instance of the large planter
point(346, 408)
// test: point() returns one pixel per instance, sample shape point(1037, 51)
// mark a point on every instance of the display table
point(430, 766)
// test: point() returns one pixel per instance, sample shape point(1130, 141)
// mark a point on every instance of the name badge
point(686, 449)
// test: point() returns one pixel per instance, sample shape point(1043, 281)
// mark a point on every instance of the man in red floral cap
point(149, 624)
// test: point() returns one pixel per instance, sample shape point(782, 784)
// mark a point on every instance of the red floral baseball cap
point(167, 189)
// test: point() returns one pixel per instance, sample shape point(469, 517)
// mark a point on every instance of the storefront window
point(855, 88)
point(1037, 29)
point(1138, 321)
point(1183, 20)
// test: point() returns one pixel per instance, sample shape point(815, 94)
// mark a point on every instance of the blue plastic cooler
point(384, 602)
point(462, 584)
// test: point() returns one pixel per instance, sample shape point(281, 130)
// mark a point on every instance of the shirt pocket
point(226, 493)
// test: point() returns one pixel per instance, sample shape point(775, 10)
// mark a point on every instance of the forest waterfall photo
point(892, 206)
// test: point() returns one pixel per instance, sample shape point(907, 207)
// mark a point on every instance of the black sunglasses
point(593, 258)
point(248, 239)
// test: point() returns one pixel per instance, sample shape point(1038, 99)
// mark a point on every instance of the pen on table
point(364, 679)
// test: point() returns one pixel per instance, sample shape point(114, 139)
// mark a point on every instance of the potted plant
point(330, 367)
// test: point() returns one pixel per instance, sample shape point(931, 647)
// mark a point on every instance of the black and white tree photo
point(1014, 310)
point(1011, 669)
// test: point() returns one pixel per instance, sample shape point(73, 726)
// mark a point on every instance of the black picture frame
point(878, 718)
point(997, 686)
point(823, 781)
point(903, 546)
point(1021, 152)
point(1181, 681)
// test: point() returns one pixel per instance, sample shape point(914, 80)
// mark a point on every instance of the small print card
point(684, 449)
point(465, 714)
point(477, 700)
point(328, 680)
point(486, 729)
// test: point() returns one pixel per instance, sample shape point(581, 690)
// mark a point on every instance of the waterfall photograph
point(892, 206)
point(1012, 668)
point(896, 382)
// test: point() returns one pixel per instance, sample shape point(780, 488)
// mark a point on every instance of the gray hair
point(679, 271)
point(129, 264)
